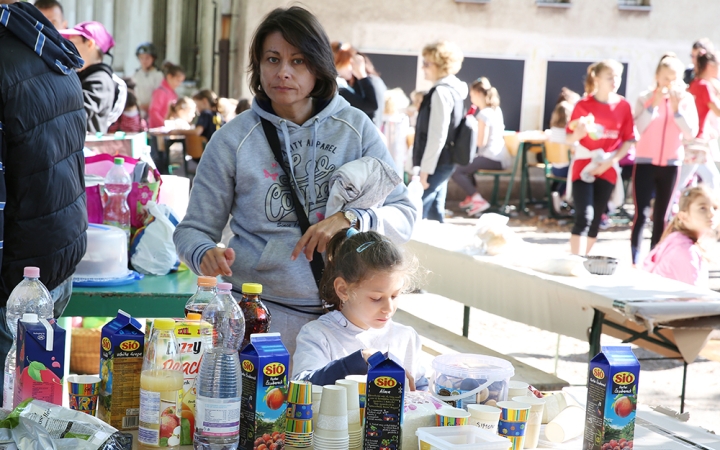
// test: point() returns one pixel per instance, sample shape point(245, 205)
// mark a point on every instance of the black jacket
point(361, 96)
point(43, 120)
point(100, 93)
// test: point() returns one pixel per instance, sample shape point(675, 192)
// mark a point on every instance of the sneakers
point(477, 207)
point(557, 202)
point(466, 203)
point(604, 222)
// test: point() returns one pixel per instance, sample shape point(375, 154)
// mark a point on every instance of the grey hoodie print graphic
point(238, 178)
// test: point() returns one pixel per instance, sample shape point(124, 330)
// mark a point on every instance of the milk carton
point(193, 336)
point(121, 357)
point(611, 400)
point(40, 360)
point(264, 365)
point(384, 402)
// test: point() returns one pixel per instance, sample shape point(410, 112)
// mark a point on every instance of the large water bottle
point(30, 296)
point(217, 407)
point(415, 192)
point(117, 186)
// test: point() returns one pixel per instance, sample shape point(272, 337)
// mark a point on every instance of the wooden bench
point(437, 341)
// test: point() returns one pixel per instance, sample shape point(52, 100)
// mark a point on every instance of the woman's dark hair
point(171, 69)
point(210, 96)
point(703, 59)
point(303, 31)
point(369, 66)
point(243, 105)
point(704, 44)
point(357, 258)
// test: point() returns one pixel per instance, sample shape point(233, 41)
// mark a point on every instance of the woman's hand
point(675, 97)
point(217, 261)
point(424, 181)
point(358, 67)
point(602, 168)
point(318, 235)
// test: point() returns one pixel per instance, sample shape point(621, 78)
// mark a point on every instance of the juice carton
point(193, 336)
point(264, 364)
point(384, 402)
point(40, 359)
point(121, 356)
point(611, 401)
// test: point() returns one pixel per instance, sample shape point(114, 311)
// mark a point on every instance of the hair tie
point(701, 51)
point(351, 232)
point(364, 246)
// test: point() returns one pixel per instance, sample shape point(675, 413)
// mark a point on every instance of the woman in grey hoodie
point(292, 75)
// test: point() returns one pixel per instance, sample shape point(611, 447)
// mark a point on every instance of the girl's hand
point(411, 380)
point(580, 131)
point(368, 352)
point(318, 235)
point(658, 97)
point(602, 168)
point(675, 100)
point(217, 261)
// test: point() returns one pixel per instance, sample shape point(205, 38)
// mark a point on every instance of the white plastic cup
point(532, 431)
point(353, 393)
point(484, 416)
point(332, 418)
point(567, 425)
point(517, 389)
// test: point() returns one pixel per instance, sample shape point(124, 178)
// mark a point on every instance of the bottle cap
point(31, 272)
point(224, 287)
point(252, 288)
point(164, 324)
point(119, 161)
point(207, 281)
point(30, 317)
point(193, 316)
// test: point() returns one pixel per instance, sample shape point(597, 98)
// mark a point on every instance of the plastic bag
point(495, 235)
point(38, 425)
point(152, 250)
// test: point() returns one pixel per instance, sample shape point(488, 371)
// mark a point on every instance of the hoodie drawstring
point(311, 166)
point(310, 191)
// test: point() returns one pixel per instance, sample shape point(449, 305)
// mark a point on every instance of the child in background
point(147, 78)
point(181, 114)
point(396, 126)
point(130, 121)
point(209, 120)
point(558, 121)
point(680, 254)
point(364, 275)
point(165, 94)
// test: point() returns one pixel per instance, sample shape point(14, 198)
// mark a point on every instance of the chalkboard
point(571, 75)
point(396, 70)
point(506, 75)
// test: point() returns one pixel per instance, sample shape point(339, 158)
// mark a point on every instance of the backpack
point(463, 146)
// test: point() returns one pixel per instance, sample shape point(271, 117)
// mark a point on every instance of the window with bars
point(638, 5)
point(553, 3)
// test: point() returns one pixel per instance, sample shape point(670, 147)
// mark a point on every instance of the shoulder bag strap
point(317, 264)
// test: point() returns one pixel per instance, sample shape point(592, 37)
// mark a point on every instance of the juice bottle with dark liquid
point(207, 290)
point(257, 316)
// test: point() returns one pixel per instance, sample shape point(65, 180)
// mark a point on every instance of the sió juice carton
point(384, 402)
point(264, 365)
point(40, 359)
point(611, 400)
point(193, 336)
point(121, 355)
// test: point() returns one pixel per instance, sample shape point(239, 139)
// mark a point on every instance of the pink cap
point(31, 272)
point(224, 286)
point(92, 30)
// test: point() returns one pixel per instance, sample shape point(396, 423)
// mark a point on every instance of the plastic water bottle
point(217, 407)
point(206, 292)
point(117, 185)
point(30, 296)
point(415, 192)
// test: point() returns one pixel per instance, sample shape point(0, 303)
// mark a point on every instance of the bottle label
point(217, 418)
point(159, 419)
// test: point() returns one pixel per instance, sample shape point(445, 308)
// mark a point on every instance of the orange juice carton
point(264, 364)
point(193, 336)
point(611, 400)
point(384, 402)
point(122, 346)
point(40, 360)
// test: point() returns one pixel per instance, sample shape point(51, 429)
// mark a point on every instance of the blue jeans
point(61, 297)
point(434, 196)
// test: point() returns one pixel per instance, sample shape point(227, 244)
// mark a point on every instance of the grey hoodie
point(239, 177)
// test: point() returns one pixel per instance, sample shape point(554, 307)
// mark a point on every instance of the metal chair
point(554, 153)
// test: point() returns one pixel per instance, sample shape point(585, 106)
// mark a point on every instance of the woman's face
point(176, 80)
point(608, 81)
point(701, 217)
point(284, 73)
point(430, 69)
point(86, 48)
point(666, 77)
point(477, 98)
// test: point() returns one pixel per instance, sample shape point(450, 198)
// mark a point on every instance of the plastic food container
point(107, 254)
point(465, 437)
point(600, 265)
point(463, 379)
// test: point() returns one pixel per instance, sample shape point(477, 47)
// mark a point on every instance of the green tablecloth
point(153, 296)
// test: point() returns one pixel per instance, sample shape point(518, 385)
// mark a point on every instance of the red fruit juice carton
point(384, 402)
point(264, 366)
point(611, 400)
point(40, 360)
point(122, 347)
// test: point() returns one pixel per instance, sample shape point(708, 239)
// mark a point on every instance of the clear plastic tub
point(464, 379)
point(107, 254)
point(466, 437)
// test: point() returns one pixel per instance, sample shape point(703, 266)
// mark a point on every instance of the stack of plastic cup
point(299, 426)
point(354, 421)
point(331, 425)
point(362, 387)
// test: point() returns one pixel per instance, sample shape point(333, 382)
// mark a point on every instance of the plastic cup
point(532, 432)
point(332, 419)
point(517, 389)
point(513, 422)
point(450, 417)
point(300, 392)
point(569, 424)
point(484, 416)
point(362, 390)
point(83, 391)
point(353, 393)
